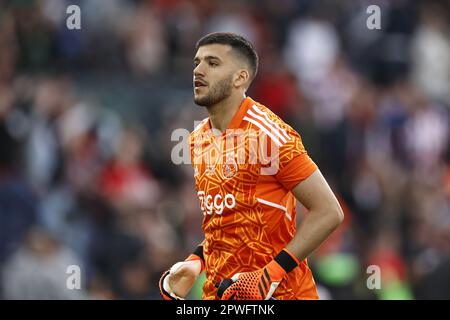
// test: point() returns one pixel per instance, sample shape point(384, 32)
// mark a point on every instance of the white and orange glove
point(259, 284)
point(176, 282)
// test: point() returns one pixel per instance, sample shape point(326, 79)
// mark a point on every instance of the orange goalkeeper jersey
point(243, 177)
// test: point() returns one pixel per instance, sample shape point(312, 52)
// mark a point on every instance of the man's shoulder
point(262, 119)
point(266, 116)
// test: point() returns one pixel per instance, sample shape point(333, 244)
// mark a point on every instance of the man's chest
point(227, 160)
point(225, 173)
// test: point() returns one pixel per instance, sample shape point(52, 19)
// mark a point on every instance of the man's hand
point(259, 284)
point(176, 282)
point(182, 277)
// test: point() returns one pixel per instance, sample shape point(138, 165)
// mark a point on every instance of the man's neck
point(223, 112)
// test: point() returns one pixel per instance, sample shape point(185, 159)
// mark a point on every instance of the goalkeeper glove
point(259, 284)
point(176, 282)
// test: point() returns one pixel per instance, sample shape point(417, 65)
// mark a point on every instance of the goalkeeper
point(252, 248)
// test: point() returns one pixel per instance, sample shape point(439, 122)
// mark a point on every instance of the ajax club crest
point(230, 167)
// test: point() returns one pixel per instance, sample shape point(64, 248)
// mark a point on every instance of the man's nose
point(198, 71)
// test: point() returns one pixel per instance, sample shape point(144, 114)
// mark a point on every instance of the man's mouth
point(199, 83)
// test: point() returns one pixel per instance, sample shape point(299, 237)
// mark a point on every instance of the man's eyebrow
point(208, 58)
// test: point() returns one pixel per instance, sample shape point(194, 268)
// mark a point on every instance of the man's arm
point(324, 216)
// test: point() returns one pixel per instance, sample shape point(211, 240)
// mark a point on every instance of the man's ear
point(241, 78)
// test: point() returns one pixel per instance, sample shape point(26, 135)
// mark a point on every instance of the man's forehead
point(213, 50)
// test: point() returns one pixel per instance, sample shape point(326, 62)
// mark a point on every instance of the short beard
point(219, 92)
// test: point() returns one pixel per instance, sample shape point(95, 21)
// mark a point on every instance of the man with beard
point(250, 167)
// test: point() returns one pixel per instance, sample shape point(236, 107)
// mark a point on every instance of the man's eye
point(213, 64)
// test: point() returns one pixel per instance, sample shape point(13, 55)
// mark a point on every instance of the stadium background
point(86, 117)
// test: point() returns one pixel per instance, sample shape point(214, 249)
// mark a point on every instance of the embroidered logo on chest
point(230, 167)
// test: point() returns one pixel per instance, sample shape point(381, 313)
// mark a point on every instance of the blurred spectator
point(276, 85)
point(311, 65)
point(144, 40)
point(393, 277)
point(232, 16)
point(38, 270)
point(44, 151)
point(431, 52)
point(125, 181)
point(18, 202)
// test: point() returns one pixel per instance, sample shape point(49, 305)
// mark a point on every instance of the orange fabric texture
point(249, 210)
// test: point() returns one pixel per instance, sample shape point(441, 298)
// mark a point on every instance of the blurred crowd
point(86, 118)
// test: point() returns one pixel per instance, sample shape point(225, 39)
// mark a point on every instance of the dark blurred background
point(86, 117)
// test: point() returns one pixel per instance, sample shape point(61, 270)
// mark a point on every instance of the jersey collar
point(239, 115)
